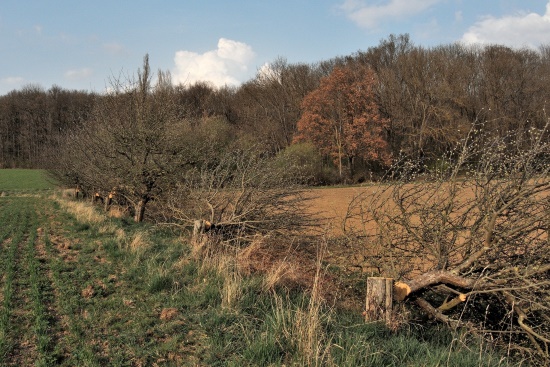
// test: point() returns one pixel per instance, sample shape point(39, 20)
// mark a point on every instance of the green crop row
point(17, 222)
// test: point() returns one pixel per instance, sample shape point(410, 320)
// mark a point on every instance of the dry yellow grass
point(139, 242)
point(232, 290)
point(116, 211)
point(67, 193)
point(82, 211)
point(276, 275)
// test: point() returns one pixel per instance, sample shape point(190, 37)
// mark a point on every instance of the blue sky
point(83, 44)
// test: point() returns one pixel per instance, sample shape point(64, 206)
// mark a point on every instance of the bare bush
point(468, 239)
point(241, 194)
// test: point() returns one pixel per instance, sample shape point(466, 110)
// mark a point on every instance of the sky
point(88, 45)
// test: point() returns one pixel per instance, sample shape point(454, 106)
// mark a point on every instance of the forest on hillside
point(416, 102)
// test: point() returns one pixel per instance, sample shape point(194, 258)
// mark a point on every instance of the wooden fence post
point(379, 299)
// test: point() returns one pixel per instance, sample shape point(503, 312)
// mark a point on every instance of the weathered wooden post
point(198, 229)
point(379, 299)
point(109, 201)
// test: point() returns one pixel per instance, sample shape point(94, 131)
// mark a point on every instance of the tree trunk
point(140, 211)
point(379, 299)
point(434, 277)
point(350, 167)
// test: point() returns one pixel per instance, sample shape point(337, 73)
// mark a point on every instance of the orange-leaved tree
point(342, 119)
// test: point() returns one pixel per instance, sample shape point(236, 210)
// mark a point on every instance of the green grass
point(93, 294)
point(24, 179)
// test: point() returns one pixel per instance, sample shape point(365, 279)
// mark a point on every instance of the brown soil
point(330, 205)
point(88, 292)
point(168, 313)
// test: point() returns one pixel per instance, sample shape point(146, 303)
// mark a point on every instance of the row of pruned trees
point(137, 148)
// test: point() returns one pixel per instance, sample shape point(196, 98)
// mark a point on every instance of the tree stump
point(379, 299)
point(198, 229)
point(108, 201)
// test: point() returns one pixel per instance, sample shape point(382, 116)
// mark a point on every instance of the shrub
point(304, 162)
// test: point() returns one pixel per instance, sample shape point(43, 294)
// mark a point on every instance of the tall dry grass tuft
point(82, 211)
point(247, 259)
point(110, 229)
point(314, 343)
point(220, 258)
point(67, 193)
point(232, 290)
point(276, 275)
point(275, 263)
point(138, 243)
point(120, 235)
point(301, 325)
point(200, 247)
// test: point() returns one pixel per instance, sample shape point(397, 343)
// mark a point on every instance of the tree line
point(32, 120)
point(422, 102)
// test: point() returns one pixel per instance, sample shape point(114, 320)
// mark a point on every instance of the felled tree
point(244, 193)
point(341, 118)
point(469, 241)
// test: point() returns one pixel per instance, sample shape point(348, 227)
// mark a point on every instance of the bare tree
point(430, 95)
point(132, 144)
point(469, 241)
point(268, 106)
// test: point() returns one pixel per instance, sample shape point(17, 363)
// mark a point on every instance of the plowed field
point(331, 205)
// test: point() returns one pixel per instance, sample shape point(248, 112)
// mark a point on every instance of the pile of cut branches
point(468, 239)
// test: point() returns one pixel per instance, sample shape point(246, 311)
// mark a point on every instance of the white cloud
point(369, 16)
point(229, 64)
point(114, 48)
point(13, 80)
point(78, 74)
point(267, 72)
point(11, 83)
point(524, 30)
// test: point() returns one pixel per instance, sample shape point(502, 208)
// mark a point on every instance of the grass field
point(79, 288)
point(24, 179)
